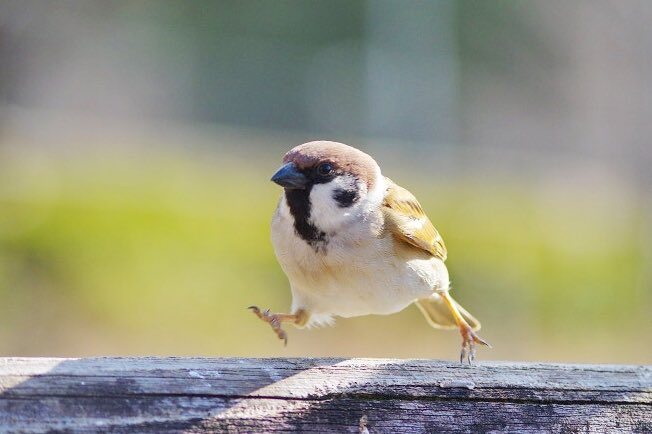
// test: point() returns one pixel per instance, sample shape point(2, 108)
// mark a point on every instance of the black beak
point(288, 176)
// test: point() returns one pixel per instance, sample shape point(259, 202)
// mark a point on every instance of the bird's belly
point(363, 280)
point(360, 293)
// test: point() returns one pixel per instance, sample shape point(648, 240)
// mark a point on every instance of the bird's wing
point(407, 222)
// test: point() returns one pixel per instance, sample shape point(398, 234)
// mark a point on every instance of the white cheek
point(376, 195)
point(325, 213)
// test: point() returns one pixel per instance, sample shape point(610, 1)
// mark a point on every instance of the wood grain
point(161, 395)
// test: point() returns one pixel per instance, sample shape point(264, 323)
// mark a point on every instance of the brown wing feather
point(407, 221)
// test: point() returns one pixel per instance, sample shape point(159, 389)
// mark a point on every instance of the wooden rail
point(162, 395)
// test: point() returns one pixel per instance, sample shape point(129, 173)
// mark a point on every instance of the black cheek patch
point(346, 197)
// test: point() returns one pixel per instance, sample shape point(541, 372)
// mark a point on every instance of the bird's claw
point(273, 321)
point(469, 339)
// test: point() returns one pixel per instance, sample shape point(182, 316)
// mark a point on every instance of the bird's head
point(330, 182)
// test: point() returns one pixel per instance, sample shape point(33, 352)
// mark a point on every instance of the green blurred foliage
point(160, 252)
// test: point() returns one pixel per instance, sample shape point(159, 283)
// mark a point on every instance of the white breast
point(358, 273)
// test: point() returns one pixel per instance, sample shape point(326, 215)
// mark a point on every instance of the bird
point(352, 242)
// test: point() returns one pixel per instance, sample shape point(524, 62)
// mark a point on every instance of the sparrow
point(353, 243)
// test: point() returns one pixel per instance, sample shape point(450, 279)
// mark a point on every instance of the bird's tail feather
point(439, 316)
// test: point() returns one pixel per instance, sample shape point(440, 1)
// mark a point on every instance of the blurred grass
point(160, 251)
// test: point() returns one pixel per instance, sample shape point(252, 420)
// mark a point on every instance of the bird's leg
point(469, 337)
point(276, 319)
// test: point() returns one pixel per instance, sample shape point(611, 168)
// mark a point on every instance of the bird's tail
point(439, 316)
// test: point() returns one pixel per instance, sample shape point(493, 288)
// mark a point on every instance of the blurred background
point(137, 139)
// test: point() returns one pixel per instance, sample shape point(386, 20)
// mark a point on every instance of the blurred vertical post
point(411, 70)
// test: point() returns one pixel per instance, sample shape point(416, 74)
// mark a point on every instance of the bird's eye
point(325, 169)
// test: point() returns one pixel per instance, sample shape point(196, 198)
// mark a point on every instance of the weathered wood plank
point(319, 395)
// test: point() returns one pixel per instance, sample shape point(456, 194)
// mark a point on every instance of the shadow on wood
point(162, 395)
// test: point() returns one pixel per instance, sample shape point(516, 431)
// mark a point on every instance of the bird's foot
point(469, 339)
point(274, 321)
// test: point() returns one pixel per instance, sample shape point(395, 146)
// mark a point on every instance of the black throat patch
point(299, 204)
